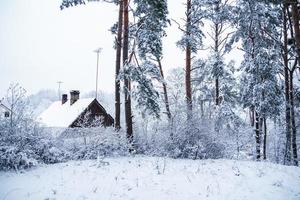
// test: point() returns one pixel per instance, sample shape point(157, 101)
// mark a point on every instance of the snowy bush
point(179, 140)
point(195, 142)
point(28, 147)
point(49, 151)
point(90, 143)
point(13, 158)
point(23, 143)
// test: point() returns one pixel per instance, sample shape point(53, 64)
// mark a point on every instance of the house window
point(6, 114)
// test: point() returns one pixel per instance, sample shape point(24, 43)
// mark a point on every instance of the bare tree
point(16, 105)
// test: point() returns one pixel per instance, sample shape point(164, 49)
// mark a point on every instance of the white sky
point(40, 44)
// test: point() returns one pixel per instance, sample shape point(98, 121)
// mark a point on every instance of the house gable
point(95, 110)
point(66, 115)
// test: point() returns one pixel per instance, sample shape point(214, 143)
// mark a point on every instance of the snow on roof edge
point(63, 115)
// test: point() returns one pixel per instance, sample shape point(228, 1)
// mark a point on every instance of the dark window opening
point(6, 114)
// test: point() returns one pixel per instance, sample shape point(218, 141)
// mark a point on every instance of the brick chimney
point(74, 96)
point(64, 98)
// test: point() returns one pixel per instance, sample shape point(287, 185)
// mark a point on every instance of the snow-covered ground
point(143, 178)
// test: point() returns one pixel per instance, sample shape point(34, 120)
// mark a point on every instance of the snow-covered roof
point(63, 115)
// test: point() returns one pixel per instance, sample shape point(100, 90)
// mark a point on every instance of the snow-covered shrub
point(180, 139)
point(28, 147)
point(23, 143)
point(49, 151)
point(90, 143)
point(195, 142)
point(13, 158)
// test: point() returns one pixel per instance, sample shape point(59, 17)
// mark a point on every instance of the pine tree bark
point(257, 136)
point(251, 115)
point(128, 112)
point(217, 91)
point(188, 86)
point(118, 66)
point(168, 112)
point(296, 18)
point(216, 49)
point(287, 156)
point(293, 123)
point(265, 139)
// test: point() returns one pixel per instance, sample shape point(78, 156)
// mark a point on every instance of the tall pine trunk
point(166, 99)
point(296, 18)
point(188, 87)
point(265, 139)
point(293, 123)
point(287, 155)
point(257, 136)
point(128, 112)
point(118, 66)
point(216, 49)
point(217, 91)
point(252, 116)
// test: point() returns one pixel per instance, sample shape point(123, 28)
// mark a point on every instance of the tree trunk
point(251, 115)
point(202, 108)
point(188, 87)
point(257, 136)
point(293, 123)
point(118, 66)
point(295, 16)
point(216, 49)
point(287, 156)
point(165, 90)
point(265, 139)
point(217, 91)
point(128, 112)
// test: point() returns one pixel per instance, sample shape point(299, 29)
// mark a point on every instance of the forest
point(214, 107)
point(212, 104)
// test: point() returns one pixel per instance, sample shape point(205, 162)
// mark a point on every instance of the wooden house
point(75, 113)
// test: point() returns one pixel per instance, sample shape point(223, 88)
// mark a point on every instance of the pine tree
point(191, 42)
point(295, 34)
point(289, 51)
point(118, 66)
point(127, 85)
point(256, 27)
point(152, 21)
point(219, 14)
point(143, 90)
point(295, 12)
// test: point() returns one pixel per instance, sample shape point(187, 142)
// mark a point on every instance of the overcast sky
point(41, 45)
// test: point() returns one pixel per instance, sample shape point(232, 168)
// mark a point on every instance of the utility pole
point(59, 95)
point(98, 51)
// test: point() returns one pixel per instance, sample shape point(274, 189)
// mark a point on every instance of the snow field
point(150, 178)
